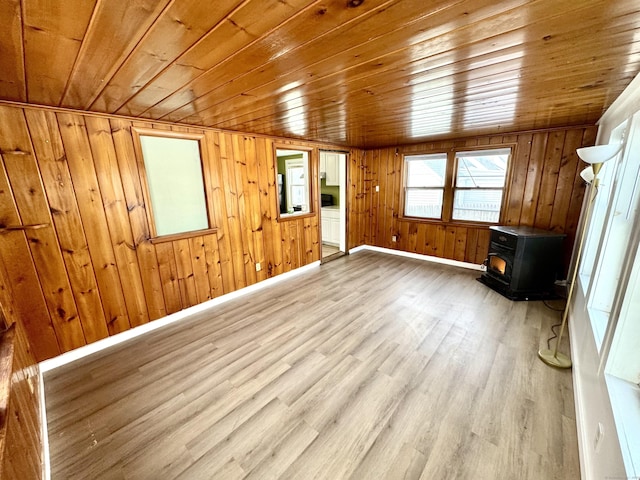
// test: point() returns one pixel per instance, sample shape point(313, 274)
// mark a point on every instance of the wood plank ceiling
point(363, 73)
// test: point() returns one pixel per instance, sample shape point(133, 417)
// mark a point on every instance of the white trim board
point(419, 256)
point(44, 431)
point(73, 355)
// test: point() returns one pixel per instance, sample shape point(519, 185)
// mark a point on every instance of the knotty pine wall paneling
point(545, 191)
point(91, 270)
point(21, 446)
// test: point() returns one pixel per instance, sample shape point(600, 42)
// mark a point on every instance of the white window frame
point(460, 155)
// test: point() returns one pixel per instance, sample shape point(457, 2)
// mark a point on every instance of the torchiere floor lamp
point(595, 156)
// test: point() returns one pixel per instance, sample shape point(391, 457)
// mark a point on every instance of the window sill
point(182, 236)
point(625, 403)
point(450, 223)
point(295, 216)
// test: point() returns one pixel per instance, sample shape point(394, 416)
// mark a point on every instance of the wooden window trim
point(313, 179)
point(450, 187)
point(182, 236)
point(137, 132)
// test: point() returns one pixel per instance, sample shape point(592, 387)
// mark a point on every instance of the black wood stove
point(523, 262)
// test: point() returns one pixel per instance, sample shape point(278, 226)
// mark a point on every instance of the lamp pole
point(554, 358)
point(595, 156)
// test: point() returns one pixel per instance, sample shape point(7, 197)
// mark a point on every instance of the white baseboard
point(418, 256)
point(44, 431)
point(92, 348)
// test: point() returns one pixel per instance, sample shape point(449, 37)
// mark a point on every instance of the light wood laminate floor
point(328, 250)
point(372, 366)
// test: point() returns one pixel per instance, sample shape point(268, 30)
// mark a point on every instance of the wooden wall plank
point(430, 240)
point(390, 228)
point(567, 175)
point(266, 178)
point(169, 276)
point(218, 205)
point(552, 158)
point(519, 166)
point(200, 268)
point(373, 163)
point(534, 177)
point(460, 244)
point(20, 287)
point(213, 266)
point(244, 209)
point(471, 243)
point(307, 242)
point(145, 252)
point(24, 177)
point(184, 269)
point(449, 243)
point(52, 161)
point(22, 444)
point(115, 207)
point(90, 203)
point(252, 199)
point(231, 196)
point(482, 247)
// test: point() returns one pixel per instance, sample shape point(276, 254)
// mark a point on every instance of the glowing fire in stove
point(498, 264)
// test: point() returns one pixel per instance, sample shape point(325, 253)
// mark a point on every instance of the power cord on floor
point(555, 335)
point(553, 327)
point(551, 307)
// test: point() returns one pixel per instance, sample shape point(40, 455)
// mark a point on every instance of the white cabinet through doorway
point(330, 166)
point(331, 225)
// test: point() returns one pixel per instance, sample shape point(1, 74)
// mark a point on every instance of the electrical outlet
point(377, 188)
point(258, 267)
point(394, 238)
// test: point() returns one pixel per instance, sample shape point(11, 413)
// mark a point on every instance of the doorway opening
point(333, 204)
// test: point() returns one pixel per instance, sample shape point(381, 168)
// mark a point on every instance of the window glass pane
point(620, 220)
point(607, 177)
point(293, 182)
point(176, 188)
point(426, 170)
point(425, 203)
point(482, 169)
point(477, 205)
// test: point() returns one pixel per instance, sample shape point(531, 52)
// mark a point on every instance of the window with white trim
point(479, 185)
point(425, 181)
point(463, 186)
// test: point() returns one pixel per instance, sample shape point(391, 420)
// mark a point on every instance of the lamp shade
point(588, 174)
point(598, 153)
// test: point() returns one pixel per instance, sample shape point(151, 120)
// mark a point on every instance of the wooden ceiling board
point(530, 59)
point(52, 41)
point(176, 30)
point(307, 27)
point(114, 31)
point(362, 73)
point(12, 74)
point(329, 58)
point(359, 79)
point(242, 28)
point(220, 93)
point(496, 76)
point(328, 52)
